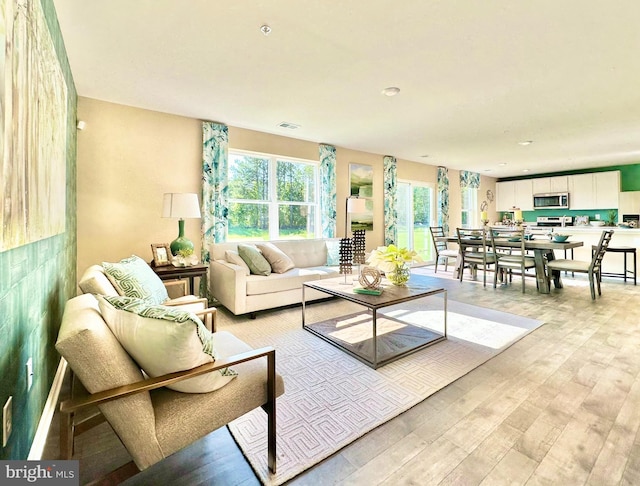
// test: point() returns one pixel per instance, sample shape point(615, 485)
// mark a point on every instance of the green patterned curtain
point(215, 190)
point(469, 179)
point(443, 199)
point(390, 212)
point(328, 190)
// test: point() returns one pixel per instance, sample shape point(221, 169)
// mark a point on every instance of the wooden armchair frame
point(68, 408)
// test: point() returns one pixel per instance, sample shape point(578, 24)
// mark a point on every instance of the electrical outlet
point(598, 217)
point(6, 421)
point(29, 373)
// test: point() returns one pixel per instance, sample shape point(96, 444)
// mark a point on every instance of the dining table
point(542, 248)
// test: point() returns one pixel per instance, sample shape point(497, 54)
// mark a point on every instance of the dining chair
point(591, 268)
point(440, 246)
point(515, 259)
point(474, 252)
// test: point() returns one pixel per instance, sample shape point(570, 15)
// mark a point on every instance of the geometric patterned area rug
point(332, 399)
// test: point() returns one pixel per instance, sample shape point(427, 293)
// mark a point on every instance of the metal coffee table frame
point(392, 295)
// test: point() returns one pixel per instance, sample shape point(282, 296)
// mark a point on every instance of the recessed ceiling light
point(424, 156)
point(487, 170)
point(290, 126)
point(525, 142)
point(525, 170)
point(265, 29)
point(502, 164)
point(391, 91)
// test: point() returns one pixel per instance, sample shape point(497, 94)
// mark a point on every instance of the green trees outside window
point(272, 198)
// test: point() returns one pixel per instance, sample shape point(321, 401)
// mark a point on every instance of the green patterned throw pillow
point(254, 260)
point(133, 277)
point(164, 340)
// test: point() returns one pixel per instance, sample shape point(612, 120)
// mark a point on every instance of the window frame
point(472, 212)
point(272, 202)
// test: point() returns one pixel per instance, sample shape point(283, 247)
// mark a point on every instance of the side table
point(169, 272)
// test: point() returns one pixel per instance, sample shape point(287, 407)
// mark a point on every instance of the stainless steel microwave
point(551, 200)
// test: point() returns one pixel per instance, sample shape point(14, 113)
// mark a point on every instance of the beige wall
point(129, 157)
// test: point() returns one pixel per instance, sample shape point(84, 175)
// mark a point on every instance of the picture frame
point(361, 186)
point(161, 254)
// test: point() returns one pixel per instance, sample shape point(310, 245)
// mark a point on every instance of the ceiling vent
point(290, 126)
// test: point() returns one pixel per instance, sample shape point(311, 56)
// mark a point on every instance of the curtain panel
point(328, 190)
point(390, 200)
point(443, 199)
point(469, 179)
point(215, 185)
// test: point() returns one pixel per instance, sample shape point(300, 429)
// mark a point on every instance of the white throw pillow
point(164, 340)
point(133, 277)
point(233, 257)
point(278, 259)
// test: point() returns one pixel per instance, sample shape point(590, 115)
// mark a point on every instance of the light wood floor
point(559, 407)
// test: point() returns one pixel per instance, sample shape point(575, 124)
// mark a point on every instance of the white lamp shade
point(180, 205)
point(356, 205)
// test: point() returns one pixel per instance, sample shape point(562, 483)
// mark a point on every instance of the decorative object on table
point(358, 242)
point(185, 258)
point(394, 262)
point(582, 220)
point(597, 222)
point(484, 216)
point(161, 254)
point(181, 206)
point(612, 217)
point(346, 257)
point(370, 278)
point(558, 238)
point(517, 217)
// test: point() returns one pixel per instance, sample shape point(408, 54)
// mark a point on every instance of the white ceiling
point(476, 77)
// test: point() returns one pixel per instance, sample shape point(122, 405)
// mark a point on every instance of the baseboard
point(40, 439)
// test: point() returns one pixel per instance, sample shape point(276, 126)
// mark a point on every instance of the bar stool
point(625, 250)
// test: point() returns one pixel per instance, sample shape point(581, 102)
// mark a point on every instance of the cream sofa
point(242, 293)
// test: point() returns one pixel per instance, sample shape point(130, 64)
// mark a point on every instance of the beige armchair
point(152, 421)
point(95, 281)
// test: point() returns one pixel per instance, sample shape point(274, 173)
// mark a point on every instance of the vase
point(400, 275)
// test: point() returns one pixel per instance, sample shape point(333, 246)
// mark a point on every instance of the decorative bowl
point(560, 238)
point(596, 223)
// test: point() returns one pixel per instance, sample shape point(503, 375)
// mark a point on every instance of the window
point(272, 197)
point(469, 207)
point(415, 208)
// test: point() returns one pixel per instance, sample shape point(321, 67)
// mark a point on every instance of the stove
point(557, 221)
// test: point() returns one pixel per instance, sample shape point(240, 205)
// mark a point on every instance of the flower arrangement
point(394, 262)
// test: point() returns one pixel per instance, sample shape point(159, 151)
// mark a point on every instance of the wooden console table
point(169, 272)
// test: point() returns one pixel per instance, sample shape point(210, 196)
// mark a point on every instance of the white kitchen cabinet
point(523, 197)
point(512, 194)
point(544, 185)
point(597, 190)
point(581, 192)
point(607, 186)
point(541, 185)
point(559, 183)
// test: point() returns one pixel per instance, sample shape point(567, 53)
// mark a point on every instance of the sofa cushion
point(95, 281)
point(278, 259)
point(304, 253)
point(164, 340)
point(133, 277)
point(233, 257)
point(254, 260)
point(291, 280)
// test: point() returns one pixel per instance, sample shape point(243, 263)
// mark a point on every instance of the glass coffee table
point(383, 331)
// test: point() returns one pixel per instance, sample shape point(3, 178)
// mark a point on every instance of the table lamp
point(354, 205)
point(181, 206)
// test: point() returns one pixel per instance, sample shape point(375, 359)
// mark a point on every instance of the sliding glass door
point(416, 212)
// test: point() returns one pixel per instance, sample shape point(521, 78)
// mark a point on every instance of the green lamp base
point(181, 242)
